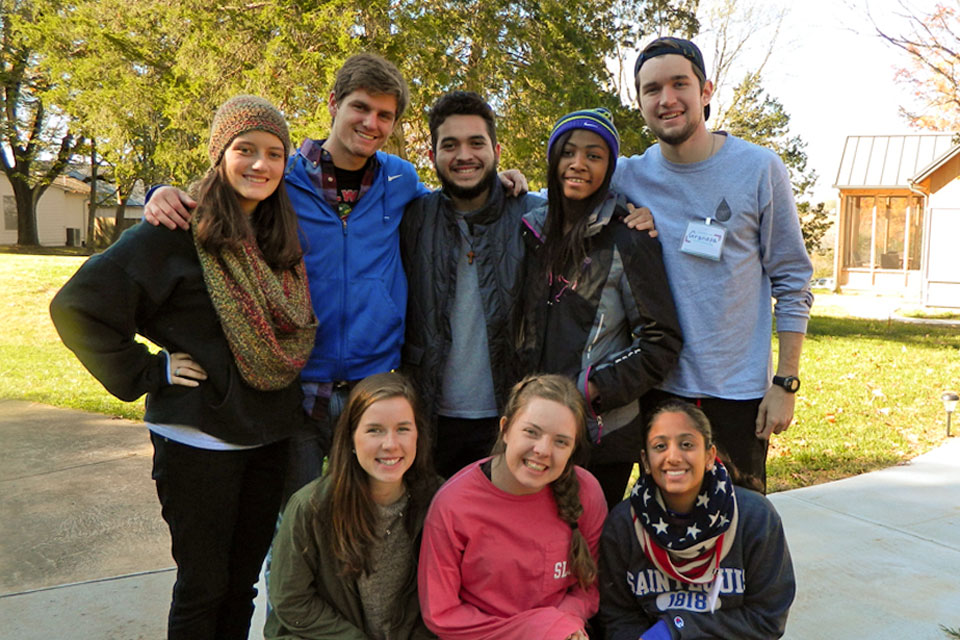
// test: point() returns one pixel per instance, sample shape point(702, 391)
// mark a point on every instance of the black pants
point(734, 432)
point(311, 443)
point(221, 507)
point(460, 441)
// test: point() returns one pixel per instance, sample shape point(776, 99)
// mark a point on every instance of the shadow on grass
point(884, 330)
point(804, 470)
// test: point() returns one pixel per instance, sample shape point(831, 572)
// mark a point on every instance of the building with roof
point(899, 217)
point(63, 210)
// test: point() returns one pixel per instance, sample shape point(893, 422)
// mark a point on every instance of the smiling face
point(583, 164)
point(465, 159)
point(385, 443)
point(362, 122)
point(677, 458)
point(253, 165)
point(671, 100)
point(538, 444)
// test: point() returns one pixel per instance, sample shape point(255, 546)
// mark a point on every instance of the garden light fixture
point(950, 399)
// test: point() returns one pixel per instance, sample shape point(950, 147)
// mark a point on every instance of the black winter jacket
point(430, 247)
point(616, 325)
point(151, 283)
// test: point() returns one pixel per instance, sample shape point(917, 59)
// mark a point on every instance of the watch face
point(790, 383)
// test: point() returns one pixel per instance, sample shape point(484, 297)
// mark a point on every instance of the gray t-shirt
point(724, 305)
point(467, 379)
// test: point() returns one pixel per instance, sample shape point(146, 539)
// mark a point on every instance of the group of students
point(516, 545)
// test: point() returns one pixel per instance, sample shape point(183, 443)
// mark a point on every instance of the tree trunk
point(27, 234)
point(119, 217)
point(92, 218)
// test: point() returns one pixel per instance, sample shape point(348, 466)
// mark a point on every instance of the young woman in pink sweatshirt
point(510, 542)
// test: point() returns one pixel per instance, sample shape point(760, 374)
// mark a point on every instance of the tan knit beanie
point(243, 113)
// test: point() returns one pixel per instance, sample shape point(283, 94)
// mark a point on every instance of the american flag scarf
point(687, 548)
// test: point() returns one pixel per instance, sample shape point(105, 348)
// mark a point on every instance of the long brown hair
point(222, 225)
point(346, 515)
point(566, 488)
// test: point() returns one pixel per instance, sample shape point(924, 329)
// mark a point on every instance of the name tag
point(704, 240)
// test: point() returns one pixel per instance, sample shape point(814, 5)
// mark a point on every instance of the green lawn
point(34, 364)
point(870, 396)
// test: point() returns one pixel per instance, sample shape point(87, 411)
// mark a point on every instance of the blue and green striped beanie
point(599, 121)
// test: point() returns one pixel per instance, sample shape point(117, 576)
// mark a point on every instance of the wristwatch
point(790, 383)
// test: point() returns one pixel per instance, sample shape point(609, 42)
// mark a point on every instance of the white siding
point(57, 210)
point(943, 267)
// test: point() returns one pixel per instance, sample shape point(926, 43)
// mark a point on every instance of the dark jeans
point(221, 507)
point(311, 443)
point(461, 441)
point(734, 428)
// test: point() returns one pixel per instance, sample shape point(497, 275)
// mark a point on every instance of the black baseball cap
point(676, 46)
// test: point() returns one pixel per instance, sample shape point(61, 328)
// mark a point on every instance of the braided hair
point(566, 488)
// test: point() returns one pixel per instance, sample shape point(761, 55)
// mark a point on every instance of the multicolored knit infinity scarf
point(688, 549)
point(266, 316)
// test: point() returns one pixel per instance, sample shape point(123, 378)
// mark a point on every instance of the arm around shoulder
point(168, 206)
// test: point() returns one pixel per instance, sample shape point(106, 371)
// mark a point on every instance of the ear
point(644, 463)
point(711, 457)
point(433, 157)
point(707, 93)
point(503, 424)
point(332, 106)
point(496, 154)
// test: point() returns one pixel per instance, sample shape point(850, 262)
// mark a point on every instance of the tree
point(740, 34)
point(747, 110)
point(145, 79)
point(931, 43)
point(36, 141)
point(763, 120)
point(115, 67)
point(533, 60)
point(637, 23)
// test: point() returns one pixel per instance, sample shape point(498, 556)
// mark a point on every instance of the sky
point(834, 77)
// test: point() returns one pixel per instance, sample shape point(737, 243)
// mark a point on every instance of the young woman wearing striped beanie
point(597, 306)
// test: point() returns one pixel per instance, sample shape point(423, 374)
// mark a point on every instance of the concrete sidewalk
point(878, 555)
point(84, 553)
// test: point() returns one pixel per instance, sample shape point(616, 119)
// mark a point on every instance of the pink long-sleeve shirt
point(496, 565)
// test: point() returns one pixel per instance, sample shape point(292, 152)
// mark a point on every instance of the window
point(9, 213)
point(883, 232)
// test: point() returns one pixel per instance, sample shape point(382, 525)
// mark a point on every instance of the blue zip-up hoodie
point(356, 276)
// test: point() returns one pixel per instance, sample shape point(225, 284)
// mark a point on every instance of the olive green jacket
point(309, 599)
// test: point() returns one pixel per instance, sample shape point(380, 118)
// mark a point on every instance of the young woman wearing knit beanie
point(689, 556)
point(597, 307)
point(510, 542)
point(230, 307)
point(344, 561)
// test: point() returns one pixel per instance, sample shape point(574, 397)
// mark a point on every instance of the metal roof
point(891, 162)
